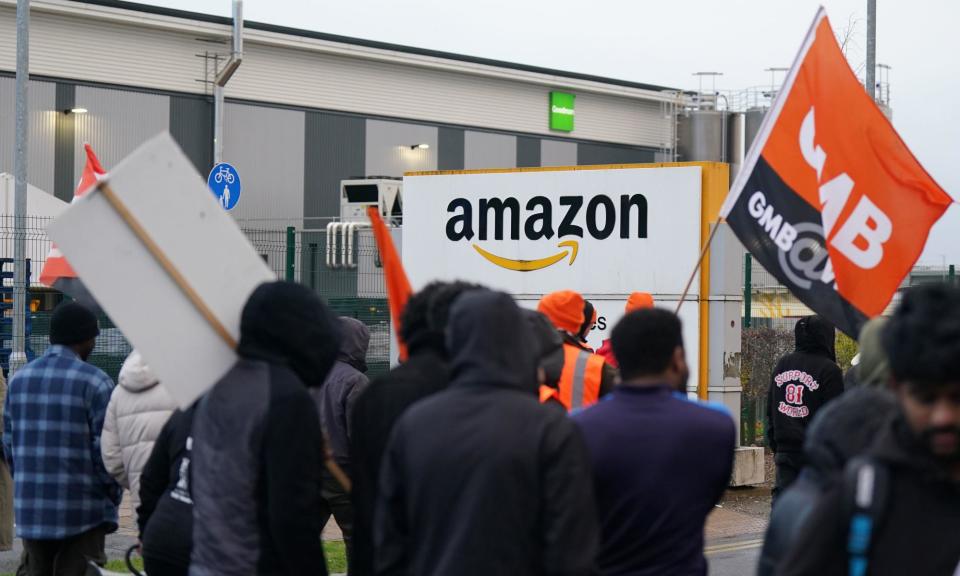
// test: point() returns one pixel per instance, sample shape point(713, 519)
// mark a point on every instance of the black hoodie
point(916, 533)
point(481, 479)
point(375, 413)
point(841, 431)
point(257, 445)
point(801, 383)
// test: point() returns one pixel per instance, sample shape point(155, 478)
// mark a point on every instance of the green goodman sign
point(561, 111)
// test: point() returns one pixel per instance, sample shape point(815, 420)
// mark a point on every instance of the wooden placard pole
point(178, 278)
point(703, 254)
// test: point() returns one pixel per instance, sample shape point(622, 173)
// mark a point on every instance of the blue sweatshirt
point(660, 464)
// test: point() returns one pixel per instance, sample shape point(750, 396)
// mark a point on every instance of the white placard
point(450, 230)
point(171, 201)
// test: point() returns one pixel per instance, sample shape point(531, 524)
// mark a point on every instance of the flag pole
point(180, 280)
point(703, 254)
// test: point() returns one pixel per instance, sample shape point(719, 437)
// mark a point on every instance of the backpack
point(866, 487)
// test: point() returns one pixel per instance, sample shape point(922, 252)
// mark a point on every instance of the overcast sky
point(666, 42)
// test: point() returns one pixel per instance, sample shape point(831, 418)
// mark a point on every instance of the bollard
point(747, 289)
point(291, 253)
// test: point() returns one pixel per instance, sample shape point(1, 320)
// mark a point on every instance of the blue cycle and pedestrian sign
point(224, 182)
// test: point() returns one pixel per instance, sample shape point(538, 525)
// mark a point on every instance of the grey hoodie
point(347, 379)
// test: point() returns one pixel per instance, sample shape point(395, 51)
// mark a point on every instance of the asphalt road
point(737, 557)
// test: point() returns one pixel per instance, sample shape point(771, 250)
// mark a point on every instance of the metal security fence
point(357, 291)
point(344, 268)
point(112, 348)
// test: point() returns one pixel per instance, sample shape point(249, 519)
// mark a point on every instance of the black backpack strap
point(866, 487)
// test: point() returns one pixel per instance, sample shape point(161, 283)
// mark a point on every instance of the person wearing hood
point(589, 322)
point(138, 409)
point(636, 301)
point(586, 378)
point(424, 373)
point(840, 432)
point(802, 382)
point(258, 450)
point(335, 401)
point(872, 368)
point(549, 350)
point(481, 479)
point(896, 509)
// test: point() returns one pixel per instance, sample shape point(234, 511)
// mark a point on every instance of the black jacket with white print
point(801, 383)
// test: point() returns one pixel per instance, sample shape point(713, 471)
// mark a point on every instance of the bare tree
point(846, 38)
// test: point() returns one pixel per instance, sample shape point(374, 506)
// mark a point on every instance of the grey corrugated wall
point(388, 148)
point(558, 153)
point(41, 126)
point(191, 125)
point(65, 146)
point(487, 150)
point(450, 153)
point(117, 123)
point(602, 154)
point(528, 152)
point(265, 145)
point(334, 150)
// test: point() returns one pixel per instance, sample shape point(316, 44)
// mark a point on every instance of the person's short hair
point(644, 341)
point(922, 339)
point(413, 319)
point(438, 312)
point(425, 316)
point(589, 317)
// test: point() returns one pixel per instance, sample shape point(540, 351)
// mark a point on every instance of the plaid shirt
point(54, 414)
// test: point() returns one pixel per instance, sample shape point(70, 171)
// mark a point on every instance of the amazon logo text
point(540, 218)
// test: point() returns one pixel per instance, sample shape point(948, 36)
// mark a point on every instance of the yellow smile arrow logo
point(530, 265)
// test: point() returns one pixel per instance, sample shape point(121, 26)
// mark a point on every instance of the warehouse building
point(304, 110)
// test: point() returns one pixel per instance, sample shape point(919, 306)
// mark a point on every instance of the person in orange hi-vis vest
point(636, 301)
point(585, 377)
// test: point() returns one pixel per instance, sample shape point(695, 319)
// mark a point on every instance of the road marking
point(734, 546)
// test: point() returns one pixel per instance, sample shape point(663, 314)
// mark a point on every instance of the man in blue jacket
point(66, 502)
point(660, 462)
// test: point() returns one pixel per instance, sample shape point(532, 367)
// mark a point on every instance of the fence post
point(952, 276)
point(747, 289)
point(291, 253)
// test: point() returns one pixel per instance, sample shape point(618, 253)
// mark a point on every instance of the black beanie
point(71, 324)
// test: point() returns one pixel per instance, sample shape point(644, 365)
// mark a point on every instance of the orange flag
point(830, 200)
point(398, 286)
point(56, 267)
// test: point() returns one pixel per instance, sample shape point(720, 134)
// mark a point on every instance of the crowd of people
point(502, 444)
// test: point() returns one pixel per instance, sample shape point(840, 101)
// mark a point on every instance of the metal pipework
point(223, 76)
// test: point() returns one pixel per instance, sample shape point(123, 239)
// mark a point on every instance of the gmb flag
point(830, 200)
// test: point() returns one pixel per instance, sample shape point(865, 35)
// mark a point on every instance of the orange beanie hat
point(639, 301)
point(564, 309)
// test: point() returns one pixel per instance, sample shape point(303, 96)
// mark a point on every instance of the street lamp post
point(18, 357)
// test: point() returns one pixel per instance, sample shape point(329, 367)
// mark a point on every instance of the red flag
point(56, 266)
point(398, 286)
point(830, 200)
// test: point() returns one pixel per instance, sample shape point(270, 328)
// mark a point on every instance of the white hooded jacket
point(138, 409)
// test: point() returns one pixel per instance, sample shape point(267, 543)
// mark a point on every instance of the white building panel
point(117, 46)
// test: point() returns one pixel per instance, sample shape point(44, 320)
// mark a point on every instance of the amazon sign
point(597, 230)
